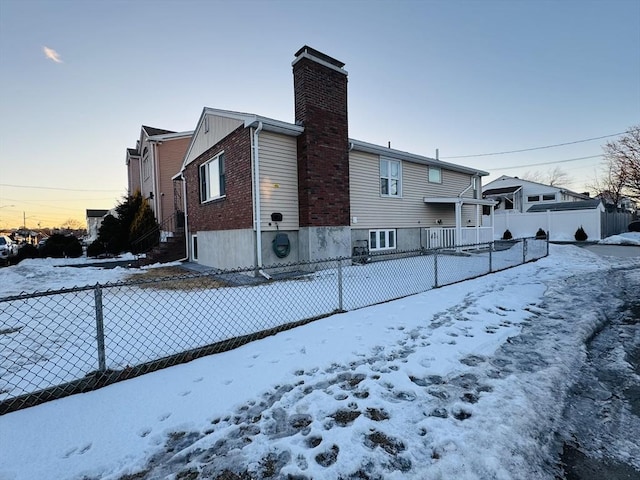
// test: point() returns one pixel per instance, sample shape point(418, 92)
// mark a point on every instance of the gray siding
point(375, 211)
point(278, 180)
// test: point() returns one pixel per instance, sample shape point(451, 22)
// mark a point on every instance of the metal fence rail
point(57, 343)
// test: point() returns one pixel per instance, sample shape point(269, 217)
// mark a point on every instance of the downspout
point(154, 182)
point(458, 212)
point(187, 243)
point(256, 190)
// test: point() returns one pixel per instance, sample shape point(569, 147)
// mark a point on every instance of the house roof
point(133, 152)
point(498, 191)
point(565, 206)
point(411, 157)
point(286, 128)
point(96, 213)
point(151, 131)
point(521, 182)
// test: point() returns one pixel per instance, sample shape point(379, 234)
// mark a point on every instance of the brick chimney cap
point(315, 53)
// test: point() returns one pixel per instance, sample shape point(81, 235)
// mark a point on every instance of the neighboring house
point(516, 194)
point(94, 220)
point(523, 207)
point(151, 167)
point(260, 191)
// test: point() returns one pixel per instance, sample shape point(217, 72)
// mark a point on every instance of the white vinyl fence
point(561, 226)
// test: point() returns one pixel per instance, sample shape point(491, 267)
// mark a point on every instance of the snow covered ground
point(468, 381)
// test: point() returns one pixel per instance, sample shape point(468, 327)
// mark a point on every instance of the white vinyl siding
point(374, 211)
point(218, 128)
point(278, 180)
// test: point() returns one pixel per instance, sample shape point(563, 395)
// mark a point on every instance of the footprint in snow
point(163, 417)
point(143, 433)
point(70, 452)
point(85, 449)
point(199, 379)
point(185, 393)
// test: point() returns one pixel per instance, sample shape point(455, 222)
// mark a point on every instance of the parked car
point(634, 226)
point(8, 249)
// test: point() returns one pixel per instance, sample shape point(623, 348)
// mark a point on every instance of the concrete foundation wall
point(317, 243)
point(227, 249)
point(268, 255)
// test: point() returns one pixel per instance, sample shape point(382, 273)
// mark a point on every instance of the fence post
point(340, 285)
point(435, 268)
point(548, 235)
point(524, 251)
point(102, 363)
point(491, 246)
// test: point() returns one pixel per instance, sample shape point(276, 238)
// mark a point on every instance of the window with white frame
point(146, 164)
point(548, 197)
point(390, 175)
point(212, 179)
point(435, 174)
point(382, 240)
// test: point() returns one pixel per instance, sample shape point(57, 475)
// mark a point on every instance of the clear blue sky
point(465, 77)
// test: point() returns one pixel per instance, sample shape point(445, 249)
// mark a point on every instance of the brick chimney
point(320, 89)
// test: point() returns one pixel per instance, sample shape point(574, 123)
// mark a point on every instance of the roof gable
point(215, 124)
point(151, 131)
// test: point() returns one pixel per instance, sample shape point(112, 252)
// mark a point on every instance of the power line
point(53, 188)
point(544, 163)
point(537, 148)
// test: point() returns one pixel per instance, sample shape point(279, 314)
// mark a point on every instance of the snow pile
point(627, 238)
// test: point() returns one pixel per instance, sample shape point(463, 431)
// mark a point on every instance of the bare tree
point(72, 224)
point(609, 186)
point(555, 177)
point(623, 159)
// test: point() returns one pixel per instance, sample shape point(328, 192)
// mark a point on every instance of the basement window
point(382, 240)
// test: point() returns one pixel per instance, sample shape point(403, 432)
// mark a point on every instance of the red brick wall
point(235, 210)
point(323, 148)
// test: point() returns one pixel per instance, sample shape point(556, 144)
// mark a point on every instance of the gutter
point(256, 190)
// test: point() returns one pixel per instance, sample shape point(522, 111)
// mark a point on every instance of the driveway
point(614, 250)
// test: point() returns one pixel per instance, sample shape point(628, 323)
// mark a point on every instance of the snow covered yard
point(49, 340)
point(467, 381)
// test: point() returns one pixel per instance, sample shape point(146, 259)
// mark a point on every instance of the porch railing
point(446, 237)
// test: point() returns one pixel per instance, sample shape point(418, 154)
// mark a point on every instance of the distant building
point(94, 220)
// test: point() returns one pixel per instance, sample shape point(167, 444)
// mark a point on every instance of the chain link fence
point(58, 343)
